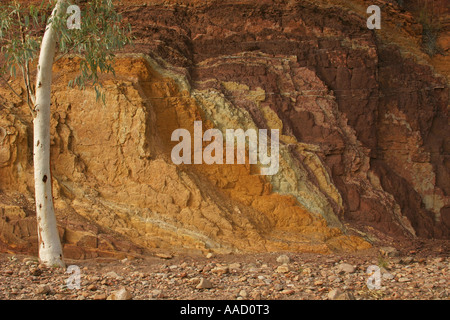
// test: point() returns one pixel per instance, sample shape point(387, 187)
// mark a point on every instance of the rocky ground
point(415, 272)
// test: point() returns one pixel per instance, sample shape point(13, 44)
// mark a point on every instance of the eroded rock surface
point(364, 136)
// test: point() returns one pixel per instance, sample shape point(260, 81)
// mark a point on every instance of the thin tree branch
point(29, 103)
point(11, 88)
point(71, 48)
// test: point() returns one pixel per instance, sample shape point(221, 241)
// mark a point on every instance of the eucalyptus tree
point(43, 34)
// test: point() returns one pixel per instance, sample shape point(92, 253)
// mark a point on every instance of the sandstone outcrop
point(363, 122)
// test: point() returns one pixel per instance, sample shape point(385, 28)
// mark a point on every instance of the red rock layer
point(370, 80)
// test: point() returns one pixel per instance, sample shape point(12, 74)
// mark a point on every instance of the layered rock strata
point(364, 135)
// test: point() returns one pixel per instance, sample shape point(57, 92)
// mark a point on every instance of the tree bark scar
point(44, 178)
point(41, 242)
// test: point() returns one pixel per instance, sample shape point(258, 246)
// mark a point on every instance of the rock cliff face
point(363, 118)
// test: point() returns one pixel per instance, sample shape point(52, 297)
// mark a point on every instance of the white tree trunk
point(50, 249)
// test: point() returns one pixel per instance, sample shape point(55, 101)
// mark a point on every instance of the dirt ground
point(415, 270)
